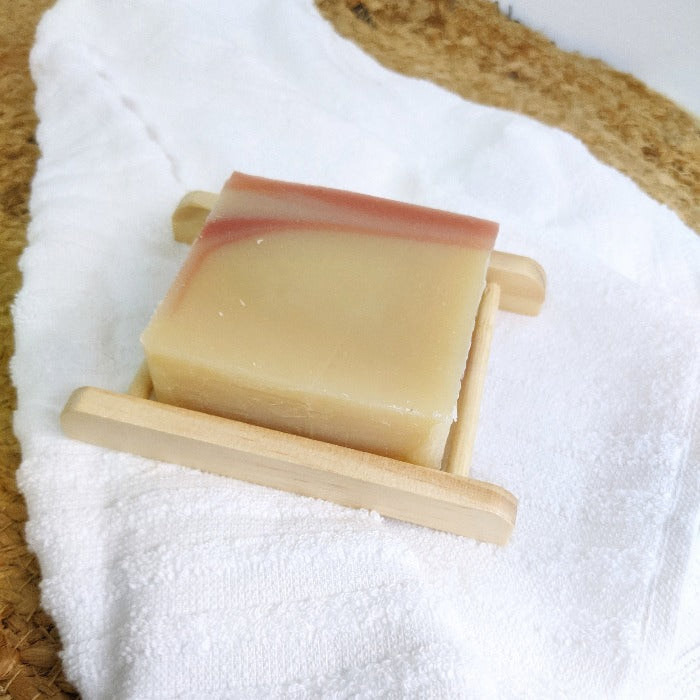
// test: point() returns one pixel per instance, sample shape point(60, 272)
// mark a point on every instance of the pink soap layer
point(324, 208)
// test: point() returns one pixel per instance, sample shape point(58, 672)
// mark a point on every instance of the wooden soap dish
point(447, 500)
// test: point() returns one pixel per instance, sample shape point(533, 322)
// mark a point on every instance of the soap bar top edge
point(313, 207)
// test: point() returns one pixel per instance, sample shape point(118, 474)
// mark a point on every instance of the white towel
point(168, 583)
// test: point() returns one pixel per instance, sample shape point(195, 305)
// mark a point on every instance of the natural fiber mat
point(467, 46)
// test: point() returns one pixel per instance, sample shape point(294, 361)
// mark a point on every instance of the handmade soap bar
point(333, 315)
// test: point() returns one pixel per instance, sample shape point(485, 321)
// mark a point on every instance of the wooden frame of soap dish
point(447, 499)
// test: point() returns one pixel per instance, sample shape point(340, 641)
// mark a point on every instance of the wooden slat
point(463, 433)
point(300, 465)
point(522, 281)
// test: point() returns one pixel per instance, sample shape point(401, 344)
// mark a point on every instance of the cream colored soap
point(337, 316)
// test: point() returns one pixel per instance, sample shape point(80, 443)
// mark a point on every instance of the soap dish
point(447, 500)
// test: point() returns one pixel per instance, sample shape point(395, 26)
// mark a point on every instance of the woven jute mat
point(467, 46)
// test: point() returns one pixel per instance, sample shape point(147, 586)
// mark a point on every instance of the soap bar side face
point(299, 311)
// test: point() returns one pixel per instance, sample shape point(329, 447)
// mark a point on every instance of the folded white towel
point(167, 583)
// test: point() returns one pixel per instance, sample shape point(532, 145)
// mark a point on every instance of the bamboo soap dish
point(447, 499)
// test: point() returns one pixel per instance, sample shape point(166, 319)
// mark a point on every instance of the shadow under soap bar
point(323, 313)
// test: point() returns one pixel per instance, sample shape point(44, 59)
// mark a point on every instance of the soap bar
point(328, 314)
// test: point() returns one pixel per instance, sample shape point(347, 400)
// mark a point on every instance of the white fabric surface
point(168, 583)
